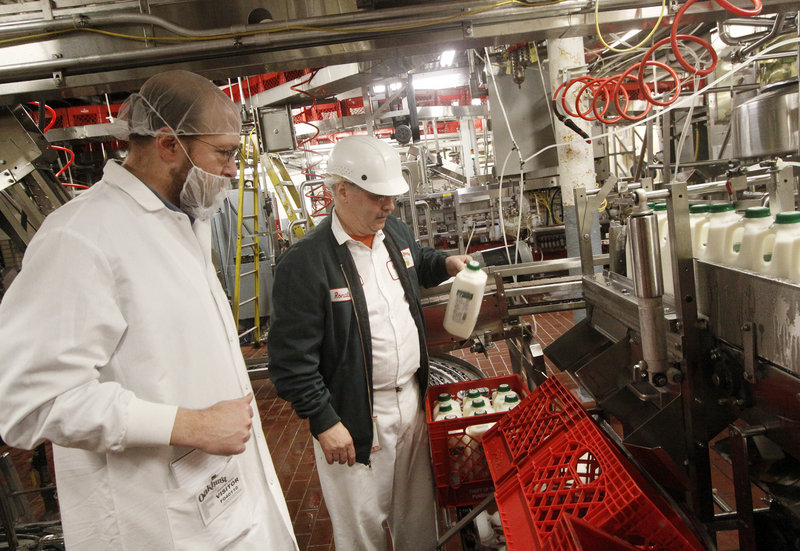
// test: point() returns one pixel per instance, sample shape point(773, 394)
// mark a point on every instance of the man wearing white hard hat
point(347, 349)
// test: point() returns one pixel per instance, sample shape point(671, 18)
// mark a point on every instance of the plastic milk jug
point(472, 394)
point(722, 221)
point(466, 296)
point(502, 390)
point(443, 399)
point(508, 402)
point(666, 251)
point(698, 227)
point(446, 411)
point(750, 238)
point(477, 405)
point(476, 432)
point(786, 230)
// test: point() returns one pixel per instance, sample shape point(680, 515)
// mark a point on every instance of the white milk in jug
point(466, 296)
point(751, 238)
point(445, 398)
point(698, 227)
point(471, 395)
point(663, 243)
point(508, 402)
point(722, 220)
point(786, 230)
point(502, 389)
point(479, 405)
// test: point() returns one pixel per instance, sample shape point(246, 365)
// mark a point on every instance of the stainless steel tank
point(767, 125)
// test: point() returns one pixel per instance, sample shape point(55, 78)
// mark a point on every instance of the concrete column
point(575, 158)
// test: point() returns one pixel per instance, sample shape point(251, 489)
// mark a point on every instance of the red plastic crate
point(326, 111)
point(550, 410)
point(580, 473)
point(271, 80)
point(574, 534)
point(459, 465)
point(352, 106)
point(86, 115)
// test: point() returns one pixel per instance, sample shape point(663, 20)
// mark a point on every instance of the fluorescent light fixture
point(395, 86)
point(446, 59)
point(379, 88)
point(627, 36)
point(476, 101)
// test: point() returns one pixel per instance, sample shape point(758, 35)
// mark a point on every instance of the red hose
point(608, 99)
point(50, 111)
point(627, 74)
point(69, 162)
point(585, 114)
point(646, 61)
point(741, 11)
point(564, 94)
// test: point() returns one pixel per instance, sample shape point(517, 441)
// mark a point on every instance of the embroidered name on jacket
point(342, 294)
point(408, 257)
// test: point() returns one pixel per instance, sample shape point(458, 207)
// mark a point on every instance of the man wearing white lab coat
point(118, 345)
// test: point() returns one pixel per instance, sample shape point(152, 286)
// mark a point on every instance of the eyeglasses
point(227, 154)
point(373, 196)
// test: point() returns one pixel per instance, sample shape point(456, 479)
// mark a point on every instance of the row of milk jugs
point(474, 403)
point(755, 241)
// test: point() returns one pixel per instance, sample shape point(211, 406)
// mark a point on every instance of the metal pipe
point(649, 288)
point(775, 31)
point(389, 14)
point(261, 42)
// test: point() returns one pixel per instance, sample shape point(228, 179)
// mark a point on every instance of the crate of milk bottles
point(458, 415)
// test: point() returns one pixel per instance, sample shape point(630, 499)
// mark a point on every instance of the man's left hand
point(456, 263)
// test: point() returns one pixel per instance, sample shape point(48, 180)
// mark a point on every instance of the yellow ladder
point(249, 148)
point(287, 193)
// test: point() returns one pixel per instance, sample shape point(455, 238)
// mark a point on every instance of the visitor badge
point(215, 490)
point(220, 492)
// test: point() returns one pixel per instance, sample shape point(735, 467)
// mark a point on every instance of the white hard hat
point(369, 163)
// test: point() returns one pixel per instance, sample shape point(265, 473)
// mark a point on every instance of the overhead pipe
point(231, 46)
point(389, 14)
point(775, 31)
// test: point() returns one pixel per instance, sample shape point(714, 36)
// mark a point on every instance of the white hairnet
point(185, 102)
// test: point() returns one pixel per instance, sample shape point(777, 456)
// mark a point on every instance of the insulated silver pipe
point(649, 288)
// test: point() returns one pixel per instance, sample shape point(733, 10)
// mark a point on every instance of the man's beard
point(177, 177)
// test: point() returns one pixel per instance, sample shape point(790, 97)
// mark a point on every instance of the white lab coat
point(116, 319)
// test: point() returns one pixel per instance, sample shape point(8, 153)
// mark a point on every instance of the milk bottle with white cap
point(464, 304)
point(786, 230)
point(698, 227)
point(751, 238)
point(722, 220)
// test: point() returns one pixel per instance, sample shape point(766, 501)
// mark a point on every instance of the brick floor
point(290, 444)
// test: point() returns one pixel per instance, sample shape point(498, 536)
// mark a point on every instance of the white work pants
point(396, 488)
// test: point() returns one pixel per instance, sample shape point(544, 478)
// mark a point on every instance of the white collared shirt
point(395, 341)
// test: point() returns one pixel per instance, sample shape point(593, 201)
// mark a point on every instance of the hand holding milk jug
point(464, 304)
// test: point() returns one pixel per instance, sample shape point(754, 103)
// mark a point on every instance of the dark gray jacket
point(320, 348)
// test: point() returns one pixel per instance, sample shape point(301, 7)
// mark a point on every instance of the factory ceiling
point(71, 48)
